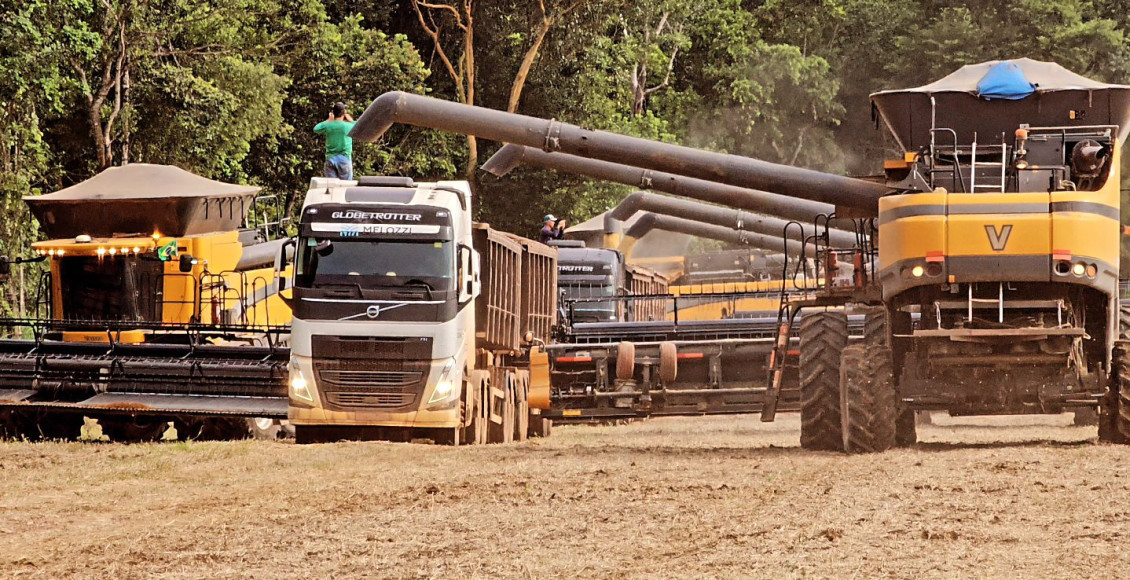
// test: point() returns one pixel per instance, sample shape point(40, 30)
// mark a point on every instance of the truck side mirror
point(468, 274)
point(5, 266)
point(286, 253)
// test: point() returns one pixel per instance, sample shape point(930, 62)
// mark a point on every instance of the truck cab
point(383, 298)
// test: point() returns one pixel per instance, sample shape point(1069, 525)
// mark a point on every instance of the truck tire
point(823, 336)
point(625, 361)
point(668, 362)
point(475, 431)
point(540, 426)
point(1114, 413)
point(522, 409)
point(906, 431)
point(503, 432)
point(868, 399)
point(452, 436)
point(874, 324)
point(308, 434)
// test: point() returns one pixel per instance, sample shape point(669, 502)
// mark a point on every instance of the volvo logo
point(998, 240)
point(373, 311)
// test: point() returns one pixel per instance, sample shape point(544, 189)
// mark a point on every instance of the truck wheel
point(823, 336)
point(308, 434)
point(540, 426)
point(906, 432)
point(522, 410)
point(625, 361)
point(448, 436)
point(1114, 413)
point(264, 428)
point(874, 324)
point(868, 399)
point(475, 432)
point(668, 362)
point(504, 432)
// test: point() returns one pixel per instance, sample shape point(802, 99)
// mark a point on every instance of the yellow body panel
point(123, 337)
point(983, 228)
point(211, 293)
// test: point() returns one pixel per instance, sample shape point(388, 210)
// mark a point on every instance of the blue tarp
point(1005, 81)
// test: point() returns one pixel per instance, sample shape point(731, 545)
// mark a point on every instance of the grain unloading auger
point(752, 229)
point(511, 156)
point(155, 306)
point(995, 288)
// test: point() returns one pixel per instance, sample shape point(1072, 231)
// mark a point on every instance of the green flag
point(168, 251)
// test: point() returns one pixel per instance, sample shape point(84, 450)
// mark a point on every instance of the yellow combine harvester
point(155, 306)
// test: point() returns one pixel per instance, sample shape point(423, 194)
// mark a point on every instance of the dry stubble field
point(680, 497)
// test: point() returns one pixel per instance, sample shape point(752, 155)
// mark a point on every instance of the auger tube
point(550, 135)
point(512, 156)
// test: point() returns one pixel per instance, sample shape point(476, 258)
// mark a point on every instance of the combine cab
point(153, 306)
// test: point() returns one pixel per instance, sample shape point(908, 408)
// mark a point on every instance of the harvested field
point(688, 497)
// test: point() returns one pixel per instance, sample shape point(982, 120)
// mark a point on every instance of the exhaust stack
point(400, 107)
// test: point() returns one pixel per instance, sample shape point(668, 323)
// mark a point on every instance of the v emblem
point(998, 240)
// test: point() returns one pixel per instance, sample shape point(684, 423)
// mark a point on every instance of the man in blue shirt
point(554, 229)
point(339, 145)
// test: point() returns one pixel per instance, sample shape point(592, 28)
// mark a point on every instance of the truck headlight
point(299, 388)
point(445, 387)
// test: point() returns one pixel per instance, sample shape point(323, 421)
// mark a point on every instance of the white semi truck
point(410, 321)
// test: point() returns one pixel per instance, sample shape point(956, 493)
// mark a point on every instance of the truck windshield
point(372, 264)
point(596, 311)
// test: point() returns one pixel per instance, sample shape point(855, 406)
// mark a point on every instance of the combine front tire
point(868, 399)
point(1114, 413)
point(874, 325)
point(823, 336)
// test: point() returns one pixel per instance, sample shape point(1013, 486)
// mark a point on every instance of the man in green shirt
point(339, 146)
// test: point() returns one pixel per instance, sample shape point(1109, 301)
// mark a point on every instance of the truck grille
point(374, 384)
point(368, 379)
point(372, 400)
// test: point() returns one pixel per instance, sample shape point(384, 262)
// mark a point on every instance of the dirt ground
point(715, 497)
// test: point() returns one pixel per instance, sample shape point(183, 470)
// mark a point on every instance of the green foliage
point(232, 89)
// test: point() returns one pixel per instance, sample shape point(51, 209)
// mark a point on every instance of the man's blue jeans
point(339, 166)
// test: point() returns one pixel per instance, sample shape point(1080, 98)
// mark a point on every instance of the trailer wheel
point(522, 409)
point(906, 432)
point(625, 361)
point(868, 399)
point(668, 362)
point(1114, 414)
point(823, 336)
